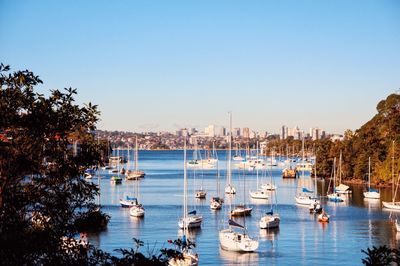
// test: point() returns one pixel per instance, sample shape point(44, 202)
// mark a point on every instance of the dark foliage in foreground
point(46, 143)
point(380, 256)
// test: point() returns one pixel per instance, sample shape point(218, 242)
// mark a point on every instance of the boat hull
point(259, 195)
point(137, 211)
point(270, 221)
point(201, 194)
point(191, 222)
point(305, 200)
point(391, 205)
point(323, 218)
point(268, 187)
point(230, 190)
point(372, 195)
point(234, 241)
point(335, 198)
point(241, 211)
point(186, 260)
point(127, 203)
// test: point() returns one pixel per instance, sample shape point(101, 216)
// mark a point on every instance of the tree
point(42, 193)
point(46, 143)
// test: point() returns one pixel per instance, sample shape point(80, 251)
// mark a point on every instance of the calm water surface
point(355, 224)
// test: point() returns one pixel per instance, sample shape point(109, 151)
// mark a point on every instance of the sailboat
point(198, 163)
point(230, 189)
point(189, 219)
point(199, 193)
point(232, 240)
point(116, 179)
point(237, 156)
point(371, 193)
point(305, 196)
point(315, 207)
point(242, 209)
point(216, 201)
point(342, 188)
point(395, 205)
point(136, 173)
point(334, 196)
point(270, 185)
point(271, 219)
point(188, 257)
point(259, 193)
point(136, 208)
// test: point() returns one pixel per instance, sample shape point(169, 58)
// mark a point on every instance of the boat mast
point(229, 151)
point(334, 175)
point(340, 168)
point(302, 160)
point(98, 172)
point(185, 228)
point(315, 176)
point(136, 155)
point(216, 157)
point(393, 171)
point(256, 164)
point(369, 173)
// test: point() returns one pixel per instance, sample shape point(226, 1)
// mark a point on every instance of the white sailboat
point(137, 210)
point(189, 219)
point(199, 193)
point(237, 156)
point(116, 179)
point(305, 196)
point(269, 186)
point(216, 201)
point(371, 193)
point(189, 257)
point(342, 188)
point(395, 205)
point(232, 240)
point(334, 196)
point(230, 189)
point(271, 219)
point(136, 173)
point(259, 193)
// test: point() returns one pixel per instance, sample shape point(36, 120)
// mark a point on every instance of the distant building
point(315, 133)
point(246, 132)
point(335, 137)
point(182, 132)
point(284, 132)
point(236, 132)
point(210, 131)
point(222, 131)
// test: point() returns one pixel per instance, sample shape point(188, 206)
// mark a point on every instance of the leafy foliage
point(46, 143)
point(380, 256)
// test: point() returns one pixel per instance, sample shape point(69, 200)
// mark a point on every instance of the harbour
point(355, 224)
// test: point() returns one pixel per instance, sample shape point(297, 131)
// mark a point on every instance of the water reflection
point(237, 258)
point(372, 204)
point(193, 233)
point(269, 234)
point(259, 201)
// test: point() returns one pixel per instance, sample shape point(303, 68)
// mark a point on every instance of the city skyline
point(168, 65)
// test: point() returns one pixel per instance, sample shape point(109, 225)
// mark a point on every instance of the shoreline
point(360, 182)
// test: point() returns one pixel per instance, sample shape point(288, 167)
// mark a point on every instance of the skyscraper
point(246, 132)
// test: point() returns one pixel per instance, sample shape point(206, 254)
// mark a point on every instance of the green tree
point(42, 193)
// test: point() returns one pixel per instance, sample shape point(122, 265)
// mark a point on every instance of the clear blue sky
point(159, 65)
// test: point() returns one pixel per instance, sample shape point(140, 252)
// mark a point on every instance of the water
point(301, 240)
